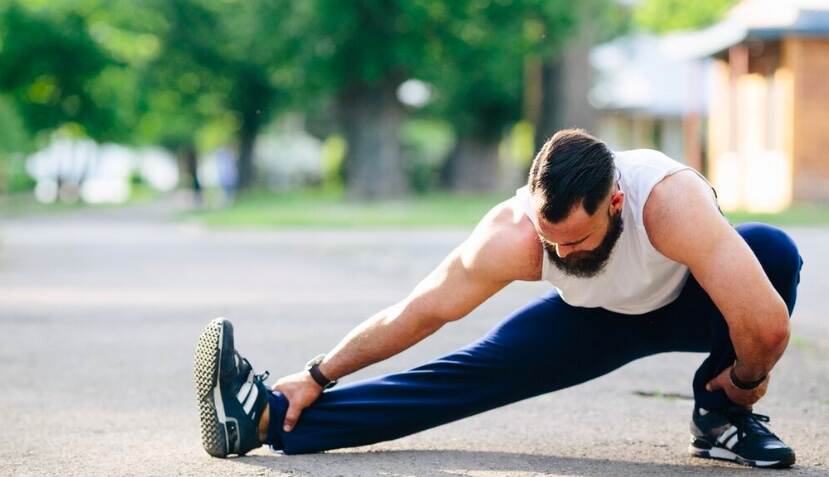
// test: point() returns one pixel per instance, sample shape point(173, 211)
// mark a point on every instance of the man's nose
point(564, 250)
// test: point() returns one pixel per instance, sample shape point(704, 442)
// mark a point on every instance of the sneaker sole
point(205, 373)
point(720, 453)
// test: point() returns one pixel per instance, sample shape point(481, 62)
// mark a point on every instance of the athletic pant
point(545, 346)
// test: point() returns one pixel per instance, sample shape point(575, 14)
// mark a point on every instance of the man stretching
point(641, 261)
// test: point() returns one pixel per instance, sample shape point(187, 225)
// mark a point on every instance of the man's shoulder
point(507, 222)
point(506, 239)
point(666, 206)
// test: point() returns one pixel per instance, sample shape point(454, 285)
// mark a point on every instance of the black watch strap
point(745, 385)
point(313, 368)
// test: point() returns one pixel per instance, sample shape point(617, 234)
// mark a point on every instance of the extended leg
point(545, 346)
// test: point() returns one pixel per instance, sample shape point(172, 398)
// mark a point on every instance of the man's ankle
point(263, 423)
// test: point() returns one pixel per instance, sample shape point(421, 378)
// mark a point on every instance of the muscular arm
point(685, 225)
point(501, 249)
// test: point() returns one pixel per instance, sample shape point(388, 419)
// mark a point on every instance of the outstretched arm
point(501, 249)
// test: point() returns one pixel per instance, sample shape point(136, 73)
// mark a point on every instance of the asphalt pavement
point(100, 311)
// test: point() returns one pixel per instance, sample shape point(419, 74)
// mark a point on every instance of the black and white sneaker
point(231, 397)
point(738, 435)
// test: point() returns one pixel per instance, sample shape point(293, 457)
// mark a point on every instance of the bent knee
point(775, 250)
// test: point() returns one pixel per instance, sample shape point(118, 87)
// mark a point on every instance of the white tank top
point(637, 278)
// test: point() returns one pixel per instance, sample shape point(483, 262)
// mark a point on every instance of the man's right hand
point(301, 391)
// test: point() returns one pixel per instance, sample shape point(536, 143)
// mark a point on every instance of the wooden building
point(768, 124)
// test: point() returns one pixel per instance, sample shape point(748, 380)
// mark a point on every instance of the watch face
point(317, 360)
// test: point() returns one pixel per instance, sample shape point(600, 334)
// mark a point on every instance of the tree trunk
point(370, 118)
point(246, 167)
point(189, 161)
point(549, 120)
point(473, 166)
point(565, 84)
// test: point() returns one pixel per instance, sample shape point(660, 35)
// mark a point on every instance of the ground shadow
point(454, 463)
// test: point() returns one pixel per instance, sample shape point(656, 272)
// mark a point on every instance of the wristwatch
point(744, 385)
point(313, 368)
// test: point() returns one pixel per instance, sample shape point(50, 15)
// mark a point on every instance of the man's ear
point(616, 201)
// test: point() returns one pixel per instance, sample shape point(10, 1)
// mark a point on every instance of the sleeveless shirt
point(636, 278)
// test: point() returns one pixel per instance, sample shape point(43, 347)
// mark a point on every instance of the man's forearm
point(385, 334)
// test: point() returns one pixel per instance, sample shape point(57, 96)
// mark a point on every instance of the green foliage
point(473, 51)
point(13, 137)
point(210, 72)
point(480, 67)
point(220, 75)
point(362, 42)
point(333, 154)
point(426, 144)
point(13, 168)
point(522, 143)
point(13, 141)
point(58, 73)
point(660, 16)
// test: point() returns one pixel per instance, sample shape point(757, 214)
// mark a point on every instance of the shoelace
point(745, 420)
point(262, 377)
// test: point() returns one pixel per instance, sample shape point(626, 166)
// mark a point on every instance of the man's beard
point(586, 264)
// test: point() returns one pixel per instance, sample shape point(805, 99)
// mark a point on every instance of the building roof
point(669, 75)
point(642, 74)
point(763, 19)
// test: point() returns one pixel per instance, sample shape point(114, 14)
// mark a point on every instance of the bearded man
point(641, 261)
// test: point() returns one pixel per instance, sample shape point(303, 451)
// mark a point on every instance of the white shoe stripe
point(726, 434)
point(732, 441)
point(243, 391)
point(251, 399)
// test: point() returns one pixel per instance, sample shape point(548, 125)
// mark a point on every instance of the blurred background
point(298, 165)
point(399, 112)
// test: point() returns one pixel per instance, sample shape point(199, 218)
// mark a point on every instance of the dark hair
point(572, 167)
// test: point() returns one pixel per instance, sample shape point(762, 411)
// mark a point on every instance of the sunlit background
point(246, 112)
point(299, 165)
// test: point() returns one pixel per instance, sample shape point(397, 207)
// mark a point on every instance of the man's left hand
point(736, 395)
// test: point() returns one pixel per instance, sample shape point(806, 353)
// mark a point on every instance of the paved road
point(100, 311)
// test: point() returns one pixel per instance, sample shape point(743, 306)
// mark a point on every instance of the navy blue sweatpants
point(545, 346)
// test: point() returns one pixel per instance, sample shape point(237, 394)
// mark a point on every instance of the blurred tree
point(482, 73)
point(14, 140)
point(660, 16)
point(56, 73)
point(61, 76)
point(563, 81)
point(471, 51)
point(220, 75)
point(359, 52)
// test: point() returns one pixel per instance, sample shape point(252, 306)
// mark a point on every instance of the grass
point(330, 209)
point(809, 215)
point(319, 208)
point(809, 346)
point(24, 203)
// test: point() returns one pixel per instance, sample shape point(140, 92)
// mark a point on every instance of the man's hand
point(736, 395)
point(301, 391)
